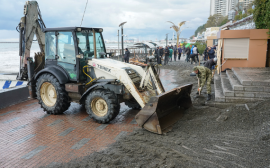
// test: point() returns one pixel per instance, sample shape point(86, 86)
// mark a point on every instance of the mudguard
point(56, 71)
point(91, 88)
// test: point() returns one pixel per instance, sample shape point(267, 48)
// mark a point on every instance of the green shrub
point(261, 14)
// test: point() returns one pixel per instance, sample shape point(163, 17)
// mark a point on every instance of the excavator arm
point(31, 24)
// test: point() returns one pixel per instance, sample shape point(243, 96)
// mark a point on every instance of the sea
point(10, 59)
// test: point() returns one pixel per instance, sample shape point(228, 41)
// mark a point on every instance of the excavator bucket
point(162, 111)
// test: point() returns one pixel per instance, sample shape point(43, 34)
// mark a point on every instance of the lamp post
point(122, 39)
point(166, 40)
point(118, 45)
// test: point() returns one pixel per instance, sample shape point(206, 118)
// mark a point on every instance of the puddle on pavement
point(167, 78)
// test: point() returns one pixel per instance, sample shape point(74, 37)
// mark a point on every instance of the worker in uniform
point(204, 75)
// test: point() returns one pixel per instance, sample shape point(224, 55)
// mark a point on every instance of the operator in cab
point(79, 48)
point(204, 74)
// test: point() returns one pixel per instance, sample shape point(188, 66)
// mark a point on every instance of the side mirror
point(102, 55)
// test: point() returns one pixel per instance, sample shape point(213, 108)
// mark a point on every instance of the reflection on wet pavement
point(32, 138)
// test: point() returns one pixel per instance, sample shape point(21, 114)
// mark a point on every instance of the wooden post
point(95, 49)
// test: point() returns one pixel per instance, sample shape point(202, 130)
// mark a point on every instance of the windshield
point(86, 43)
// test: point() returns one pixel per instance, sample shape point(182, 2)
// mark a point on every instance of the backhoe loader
point(73, 66)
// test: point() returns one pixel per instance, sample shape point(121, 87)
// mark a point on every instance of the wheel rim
point(48, 94)
point(99, 107)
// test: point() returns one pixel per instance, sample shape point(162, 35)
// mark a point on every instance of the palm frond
point(181, 23)
point(176, 28)
point(171, 22)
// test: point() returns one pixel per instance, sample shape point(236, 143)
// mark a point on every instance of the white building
point(231, 14)
point(222, 7)
point(243, 4)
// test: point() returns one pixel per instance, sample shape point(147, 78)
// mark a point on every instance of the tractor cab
point(71, 48)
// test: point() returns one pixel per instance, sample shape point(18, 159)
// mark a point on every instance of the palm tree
point(177, 29)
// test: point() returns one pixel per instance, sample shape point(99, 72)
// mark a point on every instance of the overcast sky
point(146, 19)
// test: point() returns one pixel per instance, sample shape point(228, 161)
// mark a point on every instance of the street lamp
point(122, 39)
point(118, 44)
point(167, 39)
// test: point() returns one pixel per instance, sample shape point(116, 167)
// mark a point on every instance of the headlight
point(100, 30)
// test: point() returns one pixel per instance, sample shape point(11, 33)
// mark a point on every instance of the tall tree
point(177, 29)
point(261, 14)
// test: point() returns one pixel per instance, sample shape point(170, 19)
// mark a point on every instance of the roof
point(66, 28)
point(147, 44)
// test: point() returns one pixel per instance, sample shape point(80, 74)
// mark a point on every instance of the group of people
point(170, 53)
point(204, 73)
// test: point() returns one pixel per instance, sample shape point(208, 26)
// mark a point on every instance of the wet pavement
point(32, 138)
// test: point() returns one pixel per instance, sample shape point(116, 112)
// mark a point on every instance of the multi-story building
point(243, 4)
point(222, 7)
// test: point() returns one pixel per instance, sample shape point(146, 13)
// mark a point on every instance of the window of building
point(236, 48)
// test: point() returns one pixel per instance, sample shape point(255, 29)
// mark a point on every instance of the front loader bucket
point(162, 111)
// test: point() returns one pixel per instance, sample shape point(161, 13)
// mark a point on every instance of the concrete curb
point(13, 96)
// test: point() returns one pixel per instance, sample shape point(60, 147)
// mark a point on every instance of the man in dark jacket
point(188, 54)
point(210, 63)
point(159, 62)
point(126, 57)
point(205, 54)
point(161, 52)
point(179, 52)
point(175, 52)
point(167, 53)
point(156, 52)
point(211, 53)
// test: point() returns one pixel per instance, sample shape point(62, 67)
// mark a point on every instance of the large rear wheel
point(102, 106)
point(51, 95)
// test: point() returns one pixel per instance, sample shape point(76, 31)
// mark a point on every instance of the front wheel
point(51, 95)
point(102, 106)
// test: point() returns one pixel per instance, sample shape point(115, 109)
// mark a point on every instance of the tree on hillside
point(261, 14)
point(224, 21)
point(215, 20)
point(200, 29)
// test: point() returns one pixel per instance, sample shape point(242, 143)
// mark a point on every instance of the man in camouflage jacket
point(204, 74)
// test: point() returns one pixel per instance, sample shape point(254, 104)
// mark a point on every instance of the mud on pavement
point(235, 136)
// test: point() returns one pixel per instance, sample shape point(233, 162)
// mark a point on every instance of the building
point(223, 7)
point(231, 14)
point(243, 4)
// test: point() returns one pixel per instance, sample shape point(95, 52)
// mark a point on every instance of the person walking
point(171, 52)
point(205, 54)
point(179, 52)
point(159, 56)
point(167, 54)
point(196, 52)
point(126, 57)
point(156, 54)
point(188, 54)
point(204, 75)
point(184, 50)
point(161, 51)
point(175, 52)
